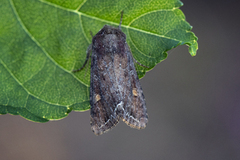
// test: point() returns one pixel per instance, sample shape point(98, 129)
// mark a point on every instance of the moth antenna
point(119, 27)
point(140, 63)
point(87, 68)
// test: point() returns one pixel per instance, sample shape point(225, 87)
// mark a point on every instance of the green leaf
point(42, 41)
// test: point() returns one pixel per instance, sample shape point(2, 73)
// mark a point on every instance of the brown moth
point(115, 90)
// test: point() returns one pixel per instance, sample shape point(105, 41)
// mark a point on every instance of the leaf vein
point(38, 44)
point(81, 5)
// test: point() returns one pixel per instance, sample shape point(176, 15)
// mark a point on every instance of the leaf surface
point(41, 42)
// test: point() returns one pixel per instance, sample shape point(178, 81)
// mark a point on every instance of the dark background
point(193, 105)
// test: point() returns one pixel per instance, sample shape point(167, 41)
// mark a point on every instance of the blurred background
point(193, 105)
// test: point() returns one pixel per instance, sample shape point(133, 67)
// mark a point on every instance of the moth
point(115, 90)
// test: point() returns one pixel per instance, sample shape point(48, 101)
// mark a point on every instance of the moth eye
point(97, 98)
point(134, 92)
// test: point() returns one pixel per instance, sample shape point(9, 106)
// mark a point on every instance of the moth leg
point(91, 34)
point(89, 50)
point(139, 63)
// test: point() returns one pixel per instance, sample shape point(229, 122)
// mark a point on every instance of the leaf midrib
point(110, 22)
point(113, 23)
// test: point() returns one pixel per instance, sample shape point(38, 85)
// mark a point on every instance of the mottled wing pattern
point(103, 94)
point(115, 91)
point(135, 111)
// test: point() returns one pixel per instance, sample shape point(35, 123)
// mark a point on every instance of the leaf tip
point(193, 48)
